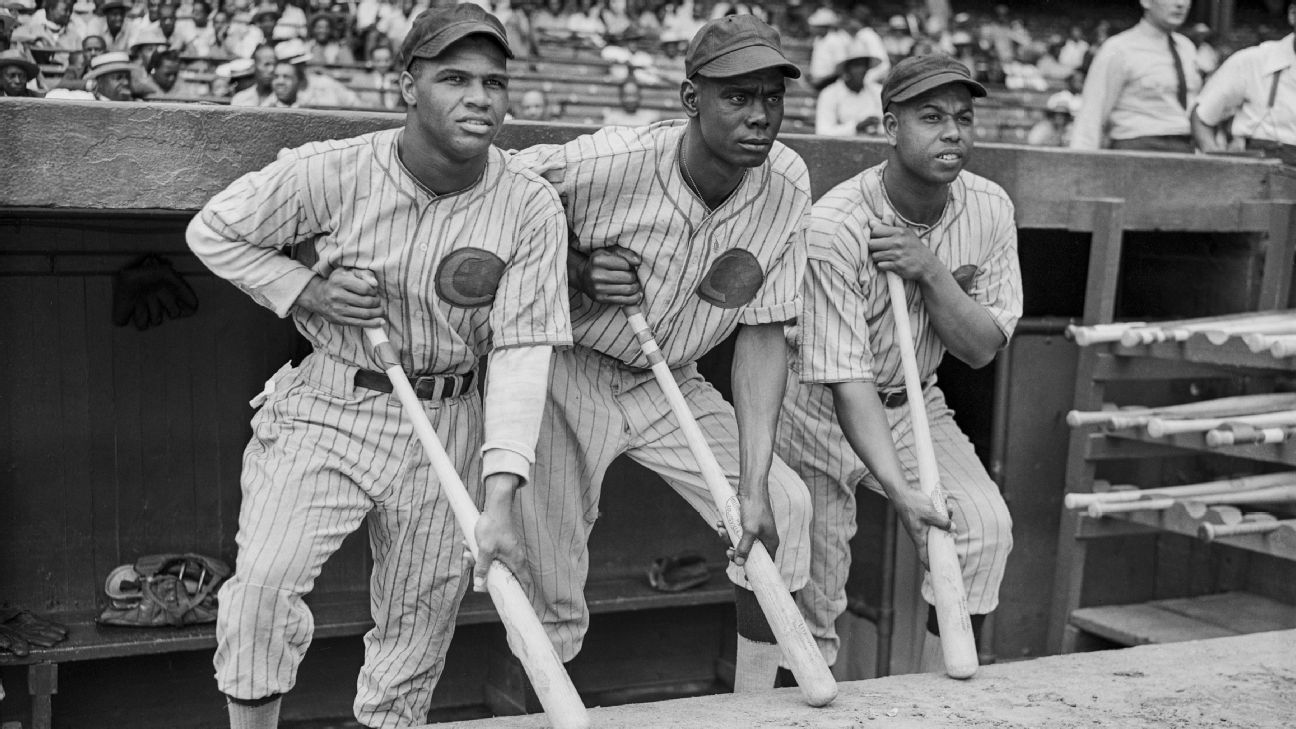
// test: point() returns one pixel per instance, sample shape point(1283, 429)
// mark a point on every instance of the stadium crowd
point(341, 53)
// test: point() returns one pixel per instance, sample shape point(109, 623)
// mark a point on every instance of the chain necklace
point(919, 228)
point(688, 177)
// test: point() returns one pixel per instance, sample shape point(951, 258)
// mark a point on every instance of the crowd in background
point(342, 53)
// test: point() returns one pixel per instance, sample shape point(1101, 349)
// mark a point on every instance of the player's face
point(457, 100)
point(739, 116)
point(1166, 14)
point(932, 134)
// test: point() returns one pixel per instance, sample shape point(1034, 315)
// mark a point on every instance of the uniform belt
point(431, 387)
point(896, 398)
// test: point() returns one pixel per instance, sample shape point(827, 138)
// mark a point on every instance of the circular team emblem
point(733, 280)
point(469, 277)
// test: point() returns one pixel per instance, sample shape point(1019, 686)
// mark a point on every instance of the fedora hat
point(14, 57)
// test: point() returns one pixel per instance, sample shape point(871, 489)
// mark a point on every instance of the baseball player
point(459, 250)
point(950, 235)
point(699, 221)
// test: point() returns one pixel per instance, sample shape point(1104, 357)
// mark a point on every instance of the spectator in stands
point(997, 34)
point(1075, 51)
point(1141, 85)
point(630, 114)
point(862, 25)
point(117, 34)
point(324, 46)
point(85, 20)
point(897, 41)
point(394, 21)
point(164, 69)
point(207, 32)
point(1050, 64)
point(831, 44)
point(382, 83)
point(844, 107)
point(1257, 88)
point(261, 92)
point(74, 74)
point(518, 26)
point(109, 79)
point(618, 26)
point(313, 89)
point(232, 77)
point(585, 25)
point(289, 78)
point(145, 43)
point(176, 37)
point(16, 71)
point(51, 28)
point(261, 32)
point(551, 20)
point(1207, 57)
point(533, 106)
point(8, 21)
point(1072, 94)
point(1054, 130)
point(291, 19)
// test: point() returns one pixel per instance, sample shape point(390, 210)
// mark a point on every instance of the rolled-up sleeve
point(780, 295)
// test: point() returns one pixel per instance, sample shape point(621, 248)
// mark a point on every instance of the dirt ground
point(1244, 682)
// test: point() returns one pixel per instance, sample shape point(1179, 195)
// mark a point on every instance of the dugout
point(117, 442)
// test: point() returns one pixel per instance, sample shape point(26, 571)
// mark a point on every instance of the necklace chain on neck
point(688, 176)
point(921, 229)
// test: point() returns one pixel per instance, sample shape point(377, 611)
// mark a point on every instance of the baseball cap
point(734, 45)
point(292, 51)
point(436, 29)
point(917, 75)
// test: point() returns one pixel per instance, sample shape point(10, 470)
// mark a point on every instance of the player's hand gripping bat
point(526, 637)
point(817, 684)
point(957, 642)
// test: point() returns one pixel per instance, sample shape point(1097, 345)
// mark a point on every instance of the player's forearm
point(964, 326)
point(501, 492)
point(759, 378)
point(1203, 134)
point(271, 278)
point(518, 380)
point(863, 422)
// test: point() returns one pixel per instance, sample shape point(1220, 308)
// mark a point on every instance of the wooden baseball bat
point(958, 644)
point(818, 687)
point(526, 637)
point(1251, 524)
point(1121, 495)
point(1283, 346)
point(1221, 334)
point(1220, 407)
point(1180, 330)
point(1100, 333)
point(1259, 342)
point(1161, 427)
point(1240, 434)
point(1256, 496)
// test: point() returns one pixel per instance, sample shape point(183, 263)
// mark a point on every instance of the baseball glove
point(148, 291)
point(164, 589)
point(21, 629)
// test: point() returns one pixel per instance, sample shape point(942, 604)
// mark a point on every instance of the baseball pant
point(599, 409)
point(325, 456)
point(811, 442)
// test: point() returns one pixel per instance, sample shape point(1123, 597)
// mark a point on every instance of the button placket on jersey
point(415, 315)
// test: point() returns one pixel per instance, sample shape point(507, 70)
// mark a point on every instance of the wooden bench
point(337, 615)
point(1184, 619)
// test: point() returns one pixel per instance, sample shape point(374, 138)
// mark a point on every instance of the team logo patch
point(469, 277)
point(733, 280)
point(965, 275)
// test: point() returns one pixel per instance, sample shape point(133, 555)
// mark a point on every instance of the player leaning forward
point(701, 221)
point(460, 251)
point(950, 235)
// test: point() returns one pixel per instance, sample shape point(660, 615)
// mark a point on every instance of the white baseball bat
point(1256, 496)
point(958, 644)
point(1162, 427)
point(1283, 346)
point(817, 684)
point(1123, 495)
point(1131, 417)
point(526, 637)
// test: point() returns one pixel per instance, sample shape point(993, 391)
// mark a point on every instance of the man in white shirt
point(831, 44)
point(847, 107)
point(1257, 87)
point(1141, 85)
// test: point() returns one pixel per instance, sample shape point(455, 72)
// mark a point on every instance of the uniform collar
point(683, 197)
point(1279, 55)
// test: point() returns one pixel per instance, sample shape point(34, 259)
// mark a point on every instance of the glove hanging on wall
point(148, 291)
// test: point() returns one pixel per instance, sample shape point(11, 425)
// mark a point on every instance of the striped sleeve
point(531, 304)
point(241, 233)
point(550, 162)
point(833, 320)
point(998, 285)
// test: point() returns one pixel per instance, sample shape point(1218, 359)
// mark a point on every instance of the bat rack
point(1100, 365)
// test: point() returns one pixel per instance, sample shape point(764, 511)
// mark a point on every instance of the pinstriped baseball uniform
point(326, 455)
point(846, 332)
point(703, 274)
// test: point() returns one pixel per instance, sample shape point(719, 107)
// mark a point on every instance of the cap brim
point(746, 60)
point(936, 81)
point(455, 33)
point(873, 60)
point(32, 69)
point(109, 69)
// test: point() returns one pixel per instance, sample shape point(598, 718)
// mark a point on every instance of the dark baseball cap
point(917, 75)
point(734, 45)
point(436, 29)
